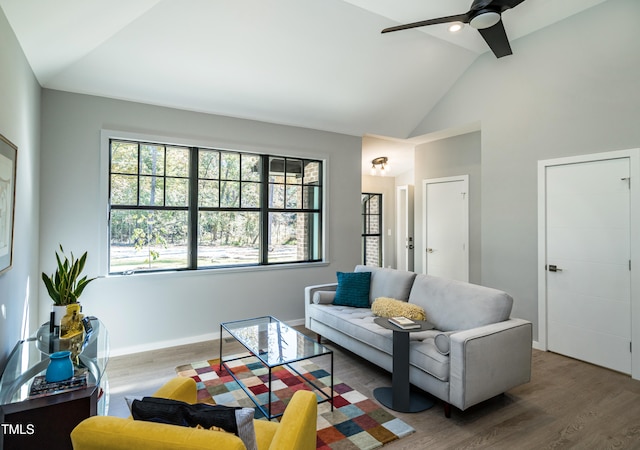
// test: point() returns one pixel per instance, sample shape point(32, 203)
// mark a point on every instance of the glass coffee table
point(275, 344)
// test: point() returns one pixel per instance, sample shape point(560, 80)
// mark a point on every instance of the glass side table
point(399, 396)
point(46, 422)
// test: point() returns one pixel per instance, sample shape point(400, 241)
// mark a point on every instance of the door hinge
point(629, 264)
point(630, 344)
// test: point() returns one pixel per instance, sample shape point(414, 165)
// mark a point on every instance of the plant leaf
point(53, 293)
point(63, 285)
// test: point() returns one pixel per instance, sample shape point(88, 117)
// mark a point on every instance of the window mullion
point(320, 206)
point(192, 237)
point(240, 157)
point(164, 174)
point(138, 174)
point(264, 211)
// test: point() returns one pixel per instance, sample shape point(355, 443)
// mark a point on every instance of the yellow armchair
point(295, 431)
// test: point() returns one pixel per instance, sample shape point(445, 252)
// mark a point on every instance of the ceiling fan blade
point(506, 4)
point(464, 18)
point(496, 38)
point(477, 5)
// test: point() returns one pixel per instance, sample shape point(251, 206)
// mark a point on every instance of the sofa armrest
point(297, 428)
point(309, 291)
point(106, 432)
point(114, 433)
point(489, 360)
point(183, 389)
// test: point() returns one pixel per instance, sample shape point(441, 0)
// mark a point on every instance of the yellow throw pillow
point(390, 307)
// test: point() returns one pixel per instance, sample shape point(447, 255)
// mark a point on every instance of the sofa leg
point(318, 338)
point(447, 410)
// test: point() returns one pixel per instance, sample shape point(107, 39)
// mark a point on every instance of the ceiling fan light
point(485, 20)
point(455, 27)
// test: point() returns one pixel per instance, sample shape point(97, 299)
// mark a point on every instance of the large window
point(174, 207)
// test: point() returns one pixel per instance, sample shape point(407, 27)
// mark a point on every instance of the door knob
point(429, 250)
point(553, 268)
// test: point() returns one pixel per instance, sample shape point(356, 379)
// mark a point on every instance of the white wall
point(20, 123)
point(569, 89)
point(406, 179)
point(157, 310)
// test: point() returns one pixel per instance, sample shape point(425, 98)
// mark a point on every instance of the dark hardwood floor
point(568, 403)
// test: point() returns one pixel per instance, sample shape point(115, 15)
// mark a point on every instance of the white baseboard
point(206, 337)
point(159, 345)
point(537, 346)
point(295, 322)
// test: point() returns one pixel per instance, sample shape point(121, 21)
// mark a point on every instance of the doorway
point(404, 227)
point(446, 227)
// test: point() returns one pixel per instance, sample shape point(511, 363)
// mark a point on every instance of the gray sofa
point(476, 352)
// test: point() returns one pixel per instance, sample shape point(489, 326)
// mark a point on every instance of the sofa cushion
point(353, 289)
point(358, 324)
point(390, 307)
point(424, 355)
point(455, 305)
point(388, 282)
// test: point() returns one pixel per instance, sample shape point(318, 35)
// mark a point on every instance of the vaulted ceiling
point(320, 64)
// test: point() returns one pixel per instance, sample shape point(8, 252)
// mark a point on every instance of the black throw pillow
point(236, 420)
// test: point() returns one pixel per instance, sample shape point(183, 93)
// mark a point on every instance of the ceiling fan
point(485, 16)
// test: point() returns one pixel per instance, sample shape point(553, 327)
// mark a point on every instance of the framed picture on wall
point(8, 157)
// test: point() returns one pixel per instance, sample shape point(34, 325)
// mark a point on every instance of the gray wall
point(459, 155)
point(569, 89)
point(156, 310)
point(20, 123)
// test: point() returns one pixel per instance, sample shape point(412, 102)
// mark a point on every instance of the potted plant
point(65, 285)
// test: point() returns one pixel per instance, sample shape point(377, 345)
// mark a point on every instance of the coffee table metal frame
point(399, 396)
point(272, 352)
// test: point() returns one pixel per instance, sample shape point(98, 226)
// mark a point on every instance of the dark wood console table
point(46, 422)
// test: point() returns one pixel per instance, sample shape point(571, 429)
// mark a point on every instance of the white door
point(404, 227)
point(588, 262)
point(446, 234)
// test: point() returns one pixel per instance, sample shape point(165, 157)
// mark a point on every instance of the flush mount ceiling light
point(384, 168)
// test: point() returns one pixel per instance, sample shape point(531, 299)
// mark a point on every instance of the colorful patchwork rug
point(356, 421)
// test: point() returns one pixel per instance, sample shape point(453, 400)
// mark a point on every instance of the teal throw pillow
point(353, 289)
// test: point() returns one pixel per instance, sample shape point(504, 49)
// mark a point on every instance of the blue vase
point(60, 367)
